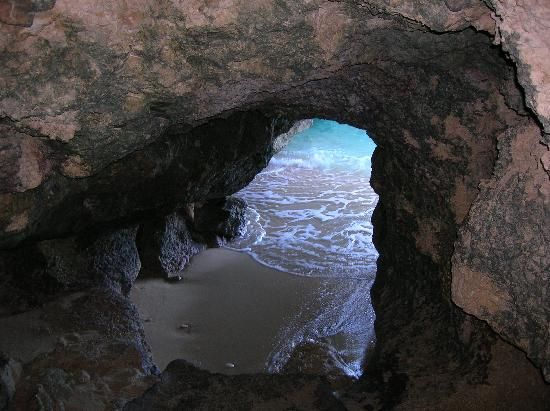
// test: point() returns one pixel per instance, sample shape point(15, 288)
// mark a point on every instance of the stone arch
point(184, 104)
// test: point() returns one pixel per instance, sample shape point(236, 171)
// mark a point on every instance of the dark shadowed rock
point(166, 245)
point(220, 220)
point(10, 371)
point(109, 259)
point(185, 387)
point(111, 111)
point(185, 166)
point(114, 258)
point(318, 358)
point(34, 274)
point(88, 352)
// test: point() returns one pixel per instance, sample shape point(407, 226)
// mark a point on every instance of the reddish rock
point(16, 12)
point(24, 160)
point(112, 112)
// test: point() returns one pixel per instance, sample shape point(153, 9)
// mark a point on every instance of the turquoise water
point(329, 147)
point(310, 209)
point(310, 215)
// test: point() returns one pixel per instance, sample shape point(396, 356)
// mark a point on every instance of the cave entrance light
point(310, 215)
point(296, 283)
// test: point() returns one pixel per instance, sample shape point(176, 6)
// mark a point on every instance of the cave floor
point(87, 351)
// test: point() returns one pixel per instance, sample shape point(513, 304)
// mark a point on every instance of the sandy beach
point(227, 309)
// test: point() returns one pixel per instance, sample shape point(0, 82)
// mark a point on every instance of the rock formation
point(282, 140)
point(166, 245)
point(115, 115)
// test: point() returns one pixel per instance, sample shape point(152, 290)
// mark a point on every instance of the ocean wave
point(310, 209)
point(309, 215)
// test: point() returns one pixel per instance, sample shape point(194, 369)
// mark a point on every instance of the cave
point(288, 288)
point(126, 127)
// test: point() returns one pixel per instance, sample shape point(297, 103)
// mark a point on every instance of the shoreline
point(228, 309)
point(232, 315)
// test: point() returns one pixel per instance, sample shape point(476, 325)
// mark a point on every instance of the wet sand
point(227, 309)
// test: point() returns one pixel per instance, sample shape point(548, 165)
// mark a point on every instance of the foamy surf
point(310, 209)
point(310, 215)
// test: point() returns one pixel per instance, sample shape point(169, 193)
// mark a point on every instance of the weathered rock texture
point(202, 164)
point(218, 221)
point(83, 351)
point(112, 113)
point(318, 358)
point(182, 386)
point(523, 33)
point(501, 265)
point(166, 245)
point(36, 273)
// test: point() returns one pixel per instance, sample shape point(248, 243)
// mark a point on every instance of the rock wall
point(85, 350)
point(523, 33)
point(181, 168)
point(501, 261)
point(111, 113)
point(501, 266)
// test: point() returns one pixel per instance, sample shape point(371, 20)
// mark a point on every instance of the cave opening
point(119, 125)
point(290, 293)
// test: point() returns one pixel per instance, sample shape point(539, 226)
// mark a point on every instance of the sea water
point(310, 214)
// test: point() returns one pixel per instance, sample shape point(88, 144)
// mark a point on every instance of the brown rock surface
point(501, 262)
point(523, 32)
point(111, 112)
point(97, 81)
point(183, 386)
point(166, 245)
point(82, 351)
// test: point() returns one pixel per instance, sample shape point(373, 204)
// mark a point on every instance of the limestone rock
point(25, 163)
point(219, 220)
point(21, 12)
point(115, 258)
point(318, 358)
point(524, 34)
point(111, 112)
point(500, 265)
point(166, 245)
point(110, 259)
point(183, 386)
point(188, 166)
point(100, 362)
point(32, 275)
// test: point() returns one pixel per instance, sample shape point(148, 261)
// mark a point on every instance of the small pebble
point(229, 365)
point(147, 320)
point(184, 326)
point(174, 279)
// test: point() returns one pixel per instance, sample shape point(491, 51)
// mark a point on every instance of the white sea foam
point(309, 214)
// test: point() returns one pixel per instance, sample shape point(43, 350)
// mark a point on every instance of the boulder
point(166, 245)
point(220, 220)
